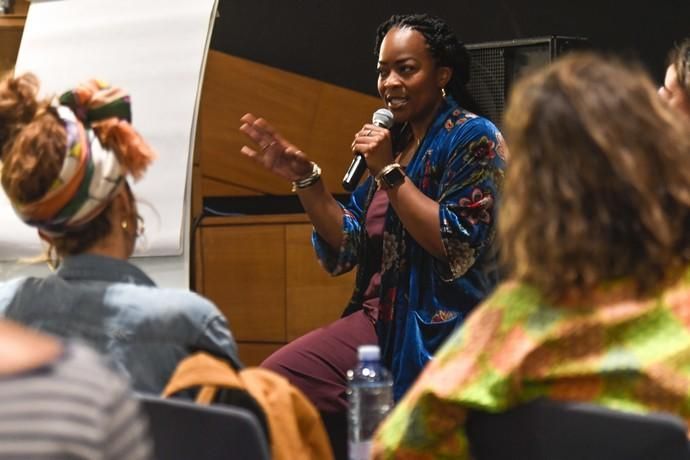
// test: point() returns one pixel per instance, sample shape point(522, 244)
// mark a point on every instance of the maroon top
point(375, 220)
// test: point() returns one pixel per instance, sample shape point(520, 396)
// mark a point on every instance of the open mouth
point(396, 102)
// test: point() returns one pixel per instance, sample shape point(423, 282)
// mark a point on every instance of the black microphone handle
point(354, 172)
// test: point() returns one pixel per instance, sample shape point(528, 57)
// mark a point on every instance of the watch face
point(393, 177)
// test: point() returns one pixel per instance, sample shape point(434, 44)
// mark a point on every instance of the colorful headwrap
point(102, 148)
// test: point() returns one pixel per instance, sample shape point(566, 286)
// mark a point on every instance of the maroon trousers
point(317, 364)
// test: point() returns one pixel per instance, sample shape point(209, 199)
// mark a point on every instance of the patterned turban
point(102, 148)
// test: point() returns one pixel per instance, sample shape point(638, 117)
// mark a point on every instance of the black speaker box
point(496, 65)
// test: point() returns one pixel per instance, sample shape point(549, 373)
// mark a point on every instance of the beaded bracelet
point(308, 181)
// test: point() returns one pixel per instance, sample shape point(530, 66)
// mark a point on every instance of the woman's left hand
point(375, 144)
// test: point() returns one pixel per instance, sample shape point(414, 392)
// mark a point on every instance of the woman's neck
point(420, 126)
point(115, 245)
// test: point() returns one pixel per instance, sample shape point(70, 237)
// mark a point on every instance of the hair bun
point(18, 105)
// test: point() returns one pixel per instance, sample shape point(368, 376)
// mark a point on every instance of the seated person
point(59, 401)
point(594, 230)
point(676, 87)
point(421, 239)
point(73, 189)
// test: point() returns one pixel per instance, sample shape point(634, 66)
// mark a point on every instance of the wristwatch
point(390, 176)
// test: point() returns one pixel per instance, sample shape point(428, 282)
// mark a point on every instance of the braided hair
point(445, 47)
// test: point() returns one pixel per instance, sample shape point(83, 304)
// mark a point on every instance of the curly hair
point(679, 57)
point(445, 47)
point(598, 188)
point(33, 144)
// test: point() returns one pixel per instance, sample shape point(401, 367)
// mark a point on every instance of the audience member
point(676, 87)
point(594, 229)
point(64, 168)
point(59, 401)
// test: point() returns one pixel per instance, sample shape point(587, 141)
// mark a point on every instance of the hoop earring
point(141, 228)
point(443, 92)
point(52, 258)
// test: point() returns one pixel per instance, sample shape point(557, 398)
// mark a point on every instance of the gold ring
point(368, 133)
point(266, 147)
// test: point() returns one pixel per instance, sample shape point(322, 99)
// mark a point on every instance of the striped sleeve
point(126, 431)
point(73, 408)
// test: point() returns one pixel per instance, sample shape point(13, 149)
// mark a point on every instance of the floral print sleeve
point(468, 190)
point(345, 258)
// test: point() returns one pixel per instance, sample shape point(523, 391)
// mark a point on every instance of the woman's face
point(409, 81)
point(672, 92)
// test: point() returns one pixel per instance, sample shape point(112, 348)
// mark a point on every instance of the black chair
point(183, 430)
point(544, 429)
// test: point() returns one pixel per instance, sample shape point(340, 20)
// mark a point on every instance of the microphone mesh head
point(383, 118)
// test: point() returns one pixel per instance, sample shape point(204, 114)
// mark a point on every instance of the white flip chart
point(156, 50)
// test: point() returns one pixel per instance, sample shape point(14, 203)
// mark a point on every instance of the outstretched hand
point(275, 153)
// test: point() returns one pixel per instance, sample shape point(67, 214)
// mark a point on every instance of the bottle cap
point(368, 353)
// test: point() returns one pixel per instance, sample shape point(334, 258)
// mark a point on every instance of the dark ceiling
point(332, 40)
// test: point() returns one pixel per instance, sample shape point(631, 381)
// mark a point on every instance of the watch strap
point(390, 176)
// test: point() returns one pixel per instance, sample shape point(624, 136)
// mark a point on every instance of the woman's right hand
point(275, 153)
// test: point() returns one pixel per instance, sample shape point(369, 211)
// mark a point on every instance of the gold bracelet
point(308, 181)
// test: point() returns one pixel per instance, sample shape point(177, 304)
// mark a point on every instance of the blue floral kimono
point(460, 164)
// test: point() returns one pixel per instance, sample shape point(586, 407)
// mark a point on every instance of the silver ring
point(368, 133)
point(266, 147)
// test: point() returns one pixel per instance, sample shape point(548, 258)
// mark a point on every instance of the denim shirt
point(116, 308)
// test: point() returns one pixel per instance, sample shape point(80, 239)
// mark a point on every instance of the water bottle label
point(360, 450)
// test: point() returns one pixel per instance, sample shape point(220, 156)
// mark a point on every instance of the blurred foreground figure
point(594, 230)
point(59, 401)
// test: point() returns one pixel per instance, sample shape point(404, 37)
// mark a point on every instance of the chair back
point(184, 430)
point(553, 430)
point(295, 429)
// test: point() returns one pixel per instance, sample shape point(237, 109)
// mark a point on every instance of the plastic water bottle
point(370, 397)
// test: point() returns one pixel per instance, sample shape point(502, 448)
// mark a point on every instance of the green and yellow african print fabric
point(616, 351)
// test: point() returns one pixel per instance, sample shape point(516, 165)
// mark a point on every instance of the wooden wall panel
point(10, 35)
point(244, 274)
point(216, 187)
point(314, 298)
point(253, 353)
point(233, 87)
point(197, 198)
point(21, 7)
point(11, 28)
point(339, 114)
point(262, 273)
point(261, 270)
point(319, 118)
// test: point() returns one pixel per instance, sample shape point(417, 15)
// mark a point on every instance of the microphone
point(382, 118)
